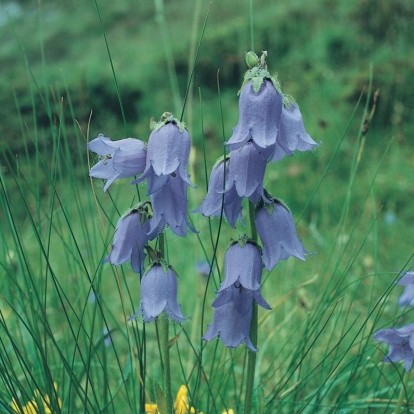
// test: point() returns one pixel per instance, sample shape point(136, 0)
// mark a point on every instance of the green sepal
point(166, 118)
point(259, 73)
point(144, 209)
point(270, 206)
point(242, 241)
point(160, 398)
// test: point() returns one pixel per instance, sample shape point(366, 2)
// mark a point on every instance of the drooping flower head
point(232, 327)
point(131, 235)
point(407, 297)
point(169, 206)
point(246, 172)
point(212, 204)
point(276, 228)
point(159, 294)
point(119, 159)
point(292, 135)
point(260, 108)
point(167, 153)
point(243, 272)
point(401, 342)
point(165, 171)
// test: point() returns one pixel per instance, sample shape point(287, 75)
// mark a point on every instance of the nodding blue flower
point(230, 325)
point(212, 204)
point(276, 228)
point(131, 235)
point(169, 205)
point(119, 159)
point(292, 135)
point(407, 297)
point(401, 342)
point(159, 294)
point(246, 172)
point(240, 296)
point(167, 154)
point(259, 116)
point(243, 271)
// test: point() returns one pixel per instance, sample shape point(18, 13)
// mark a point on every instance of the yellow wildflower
point(181, 405)
point(31, 407)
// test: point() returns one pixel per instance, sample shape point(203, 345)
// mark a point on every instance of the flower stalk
point(251, 356)
point(163, 331)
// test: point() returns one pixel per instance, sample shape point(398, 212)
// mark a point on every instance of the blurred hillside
point(56, 71)
point(56, 55)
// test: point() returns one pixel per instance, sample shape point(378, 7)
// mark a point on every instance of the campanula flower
point(292, 135)
point(232, 327)
point(276, 228)
point(243, 272)
point(401, 341)
point(212, 204)
point(118, 159)
point(246, 172)
point(240, 297)
point(169, 205)
point(259, 116)
point(159, 294)
point(131, 235)
point(167, 153)
point(407, 297)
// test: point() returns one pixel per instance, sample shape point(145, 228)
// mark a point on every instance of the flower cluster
point(162, 162)
point(270, 126)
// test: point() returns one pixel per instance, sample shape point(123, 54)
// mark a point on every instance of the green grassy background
point(351, 199)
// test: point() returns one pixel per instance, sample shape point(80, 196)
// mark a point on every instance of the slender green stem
point(251, 357)
point(251, 25)
point(163, 331)
point(165, 354)
point(403, 392)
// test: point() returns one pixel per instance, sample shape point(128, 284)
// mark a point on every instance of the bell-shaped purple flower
point(243, 272)
point(247, 169)
point(230, 325)
point(259, 116)
point(401, 341)
point(167, 153)
point(407, 297)
point(292, 135)
point(131, 235)
point(276, 228)
point(169, 206)
point(159, 294)
point(240, 297)
point(212, 204)
point(119, 159)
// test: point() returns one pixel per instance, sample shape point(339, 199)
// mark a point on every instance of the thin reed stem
point(403, 392)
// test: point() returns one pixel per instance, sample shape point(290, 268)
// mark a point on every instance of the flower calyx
point(258, 72)
point(166, 118)
point(243, 240)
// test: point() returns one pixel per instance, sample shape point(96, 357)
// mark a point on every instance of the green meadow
point(71, 70)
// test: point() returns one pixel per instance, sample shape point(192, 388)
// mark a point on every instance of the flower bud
point(252, 59)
